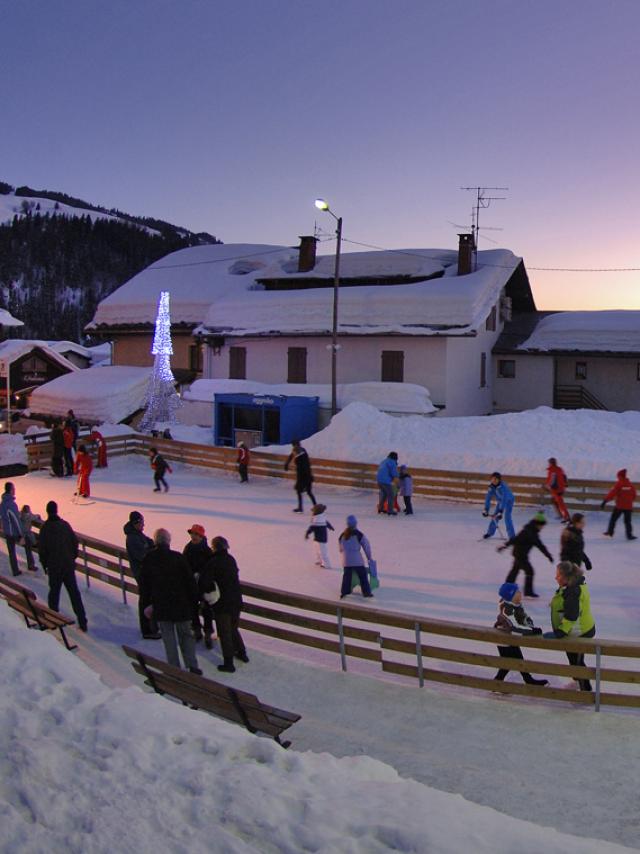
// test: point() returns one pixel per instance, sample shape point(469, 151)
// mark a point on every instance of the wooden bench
point(213, 697)
point(36, 614)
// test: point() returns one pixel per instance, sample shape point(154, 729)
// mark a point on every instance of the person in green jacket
point(571, 611)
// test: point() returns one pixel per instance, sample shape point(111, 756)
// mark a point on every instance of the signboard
point(3, 367)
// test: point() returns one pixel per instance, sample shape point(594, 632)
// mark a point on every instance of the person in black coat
point(57, 449)
point(160, 467)
point(522, 543)
point(198, 554)
point(572, 542)
point(221, 575)
point(137, 545)
point(169, 593)
point(304, 475)
point(58, 550)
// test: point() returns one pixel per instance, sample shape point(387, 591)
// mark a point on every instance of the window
point(237, 363)
point(507, 369)
point(392, 366)
point(490, 325)
point(297, 365)
point(581, 370)
point(483, 370)
point(34, 365)
point(195, 358)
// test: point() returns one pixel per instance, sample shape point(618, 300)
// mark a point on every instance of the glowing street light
point(322, 205)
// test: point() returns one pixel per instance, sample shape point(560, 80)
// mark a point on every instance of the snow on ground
point(555, 765)
point(587, 443)
point(12, 450)
point(135, 772)
point(95, 394)
point(610, 331)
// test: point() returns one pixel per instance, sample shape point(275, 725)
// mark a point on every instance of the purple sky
point(231, 116)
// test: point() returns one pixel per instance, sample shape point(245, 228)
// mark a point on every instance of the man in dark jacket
point(304, 475)
point(58, 550)
point(572, 542)
point(57, 449)
point(168, 591)
point(198, 554)
point(522, 544)
point(137, 545)
point(221, 573)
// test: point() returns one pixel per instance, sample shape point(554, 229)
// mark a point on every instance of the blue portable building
point(263, 419)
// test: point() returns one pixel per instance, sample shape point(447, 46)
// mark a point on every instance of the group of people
point(69, 457)
point(394, 481)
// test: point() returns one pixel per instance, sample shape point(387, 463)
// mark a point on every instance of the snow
point(379, 263)
point(12, 450)
point(390, 397)
point(95, 394)
point(7, 319)
point(195, 277)
point(598, 331)
point(100, 354)
point(455, 304)
point(15, 348)
point(133, 771)
point(587, 443)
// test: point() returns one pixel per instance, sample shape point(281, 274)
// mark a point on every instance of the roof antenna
point(482, 203)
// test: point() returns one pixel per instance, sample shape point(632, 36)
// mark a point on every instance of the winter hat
point(393, 456)
point(317, 509)
point(622, 473)
point(352, 522)
point(135, 516)
point(197, 529)
point(540, 518)
point(497, 474)
point(220, 544)
point(507, 591)
point(552, 461)
point(402, 468)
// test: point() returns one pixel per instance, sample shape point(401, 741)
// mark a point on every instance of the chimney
point(307, 256)
point(465, 254)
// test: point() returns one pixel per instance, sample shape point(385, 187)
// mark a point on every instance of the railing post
point(86, 564)
point(123, 586)
point(598, 673)
point(419, 655)
point(343, 655)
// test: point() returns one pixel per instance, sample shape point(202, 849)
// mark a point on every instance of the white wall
point(532, 385)
point(613, 380)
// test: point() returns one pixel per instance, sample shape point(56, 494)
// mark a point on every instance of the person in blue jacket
point(500, 493)
point(387, 476)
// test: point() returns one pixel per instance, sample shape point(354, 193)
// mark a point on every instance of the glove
point(602, 504)
point(484, 513)
point(536, 631)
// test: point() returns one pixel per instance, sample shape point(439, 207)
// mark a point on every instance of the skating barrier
point(441, 485)
point(427, 650)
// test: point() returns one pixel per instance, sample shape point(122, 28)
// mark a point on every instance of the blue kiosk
point(263, 419)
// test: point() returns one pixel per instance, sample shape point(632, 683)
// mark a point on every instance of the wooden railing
point(575, 397)
point(421, 648)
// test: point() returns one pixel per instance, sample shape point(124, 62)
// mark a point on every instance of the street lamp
point(324, 206)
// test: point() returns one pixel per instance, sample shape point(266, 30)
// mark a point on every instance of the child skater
point(83, 467)
point(514, 619)
point(160, 466)
point(27, 518)
point(243, 462)
point(319, 527)
point(406, 489)
point(352, 544)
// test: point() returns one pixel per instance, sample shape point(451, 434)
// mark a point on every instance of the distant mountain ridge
point(60, 255)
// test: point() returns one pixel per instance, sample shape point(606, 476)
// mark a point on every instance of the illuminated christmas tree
point(161, 401)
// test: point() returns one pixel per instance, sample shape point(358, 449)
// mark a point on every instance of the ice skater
point(521, 545)
point(101, 446)
point(572, 542)
point(83, 467)
point(304, 475)
point(13, 530)
point(319, 528)
point(160, 467)
point(352, 544)
point(406, 489)
point(243, 459)
point(624, 493)
point(387, 479)
point(556, 483)
point(499, 492)
point(513, 619)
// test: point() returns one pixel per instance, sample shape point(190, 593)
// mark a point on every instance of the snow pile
point(95, 394)
point(609, 331)
point(587, 443)
point(7, 319)
point(134, 771)
point(187, 433)
point(12, 450)
point(389, 397)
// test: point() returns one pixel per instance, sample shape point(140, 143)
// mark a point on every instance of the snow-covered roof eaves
point(586, 332)
point(16, 348)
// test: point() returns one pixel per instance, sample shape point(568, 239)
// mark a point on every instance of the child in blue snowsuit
point(500, 492)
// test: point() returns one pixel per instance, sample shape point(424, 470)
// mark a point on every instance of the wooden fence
point(421, 648)
point(431, 483)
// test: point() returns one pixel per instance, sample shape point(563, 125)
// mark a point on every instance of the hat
point(135, 516)
point(540, 518)
point(622, 473)
point(552, 461)
point(352, 522)
point(197, 529)
point(402, 468)
point(497, 474)
point(507, 591)
point(393, 456)
point(318, 508)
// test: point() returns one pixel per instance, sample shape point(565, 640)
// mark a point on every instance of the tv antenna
point(482, 202)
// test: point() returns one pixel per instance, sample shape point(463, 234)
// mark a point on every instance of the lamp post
point(324, 206)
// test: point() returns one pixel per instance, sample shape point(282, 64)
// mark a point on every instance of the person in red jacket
point(556, 483)
point(243, 462)
point(97, 437)
point(68, 437)
point(624, 493)
point(83, 469)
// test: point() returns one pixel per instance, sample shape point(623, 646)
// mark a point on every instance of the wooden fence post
point(123, 585)
point(343, 656)
point(86, 564)
point(598, 668)
point(419, 655)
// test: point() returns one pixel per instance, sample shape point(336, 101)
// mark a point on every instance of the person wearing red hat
point(197, 554)
point(624, 493)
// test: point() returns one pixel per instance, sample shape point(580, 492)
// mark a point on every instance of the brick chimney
point(466, 247)
point(307, 256)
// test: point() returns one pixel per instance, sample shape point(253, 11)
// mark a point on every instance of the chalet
point(26, 365)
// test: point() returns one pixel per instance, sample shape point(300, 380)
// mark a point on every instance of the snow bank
point(587, 443)
point(133, 771)
point(95, 394)
point(7, 319)
point(389, 397)
point(609, 331)
point(12, 450)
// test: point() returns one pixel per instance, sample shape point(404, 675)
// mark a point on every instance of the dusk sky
point(231, 116)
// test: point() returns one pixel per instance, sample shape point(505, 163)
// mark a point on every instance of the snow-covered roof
point(70, 347)
point(94, 394)
point(593, 331)
point(375, 264)
point(453, 304)
point(7, 319)
point(194, 277)
point(15, 348)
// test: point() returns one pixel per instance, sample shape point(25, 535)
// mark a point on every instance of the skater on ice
point(572, 542)
point(319, 528)
point(27, 518)
point(243, 459)
point(58, 550)
point(101, 448)
point(56, 437)
point(556, 483)
point(137, 545)
point(624, 494)
point(406, 489)
point(83, 467)
point(387, 479)
point(528, 538)
point(72, 421)
point(513, 619)
point(571, 612)
point(304, 475)
point(353, 545)
point(68, 439)
point(499, 492)
point(160, 467)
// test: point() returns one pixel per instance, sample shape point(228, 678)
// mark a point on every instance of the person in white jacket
point(319, 528)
